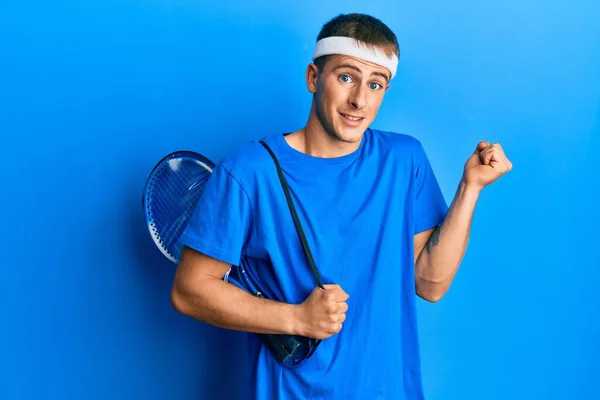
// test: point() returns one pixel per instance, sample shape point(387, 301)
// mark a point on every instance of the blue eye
point(345, 78)
point(374, 86)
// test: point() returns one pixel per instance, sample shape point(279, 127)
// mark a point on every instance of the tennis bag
point(289, 350)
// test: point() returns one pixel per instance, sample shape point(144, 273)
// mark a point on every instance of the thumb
point(481, 146)
point(475, 158)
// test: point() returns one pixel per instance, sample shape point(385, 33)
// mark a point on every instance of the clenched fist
point(487, 163)
point(323, 312)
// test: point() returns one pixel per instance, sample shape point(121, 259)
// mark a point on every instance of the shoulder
point(396, 144)
point(247, 161)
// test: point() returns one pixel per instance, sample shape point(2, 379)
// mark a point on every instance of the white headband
point(351, 47)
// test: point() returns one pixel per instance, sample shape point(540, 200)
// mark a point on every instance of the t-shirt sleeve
point(430, 205)
point(220, 224)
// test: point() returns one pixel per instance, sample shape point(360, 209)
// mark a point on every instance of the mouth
point(352, 118)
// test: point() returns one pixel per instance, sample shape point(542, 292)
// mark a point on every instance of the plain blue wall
point(93, 93)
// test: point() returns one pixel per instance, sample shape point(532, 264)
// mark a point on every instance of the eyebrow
point(358, 70)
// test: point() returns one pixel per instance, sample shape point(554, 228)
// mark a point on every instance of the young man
point(374, 217)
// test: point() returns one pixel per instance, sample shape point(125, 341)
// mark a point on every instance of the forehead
point(365, 67)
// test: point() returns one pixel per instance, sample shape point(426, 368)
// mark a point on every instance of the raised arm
point(439, 251)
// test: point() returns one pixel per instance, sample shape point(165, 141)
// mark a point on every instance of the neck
point(314, 140)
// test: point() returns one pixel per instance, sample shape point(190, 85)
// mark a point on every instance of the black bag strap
point(295, 216)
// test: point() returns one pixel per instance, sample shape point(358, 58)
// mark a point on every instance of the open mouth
point(352, 118)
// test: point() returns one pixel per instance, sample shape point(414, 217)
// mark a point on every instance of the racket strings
point(173, 196)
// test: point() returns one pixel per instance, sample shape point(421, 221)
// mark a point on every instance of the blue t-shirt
point(359, 213)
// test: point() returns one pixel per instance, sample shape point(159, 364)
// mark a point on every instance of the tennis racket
point(171, 193)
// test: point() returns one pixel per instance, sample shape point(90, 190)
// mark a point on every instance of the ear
point(311, 77)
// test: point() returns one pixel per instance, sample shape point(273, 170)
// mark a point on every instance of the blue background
point(93, 94)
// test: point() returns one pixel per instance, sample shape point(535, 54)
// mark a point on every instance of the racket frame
point(146, 204)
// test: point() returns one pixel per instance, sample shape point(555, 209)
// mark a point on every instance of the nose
point(358, 97)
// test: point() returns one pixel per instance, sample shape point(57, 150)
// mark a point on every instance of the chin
point(340, 131)
point(354, 138)
point(350, 135)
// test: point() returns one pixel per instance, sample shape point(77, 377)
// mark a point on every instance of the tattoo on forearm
point(434, 239)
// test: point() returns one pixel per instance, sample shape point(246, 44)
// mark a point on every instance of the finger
point(339, 296)
point(507, 163)
point(337, 292)
point(506, 160)
point(499, 155)
point(340, 308)
point(342, 297)
point(474, 160)
point(336, 316)
point(493, 154)
point(331, 286)
point(334, 288)
point(486, 156)
point(498, 147)
point(333, 311)
point(334, 328)
point(334, 296)
point(481, 146)
point(343, 307)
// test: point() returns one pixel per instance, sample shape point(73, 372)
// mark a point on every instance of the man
point(374, 217)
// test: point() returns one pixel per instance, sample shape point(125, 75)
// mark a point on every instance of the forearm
point(224, 305)
point(439, 261)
